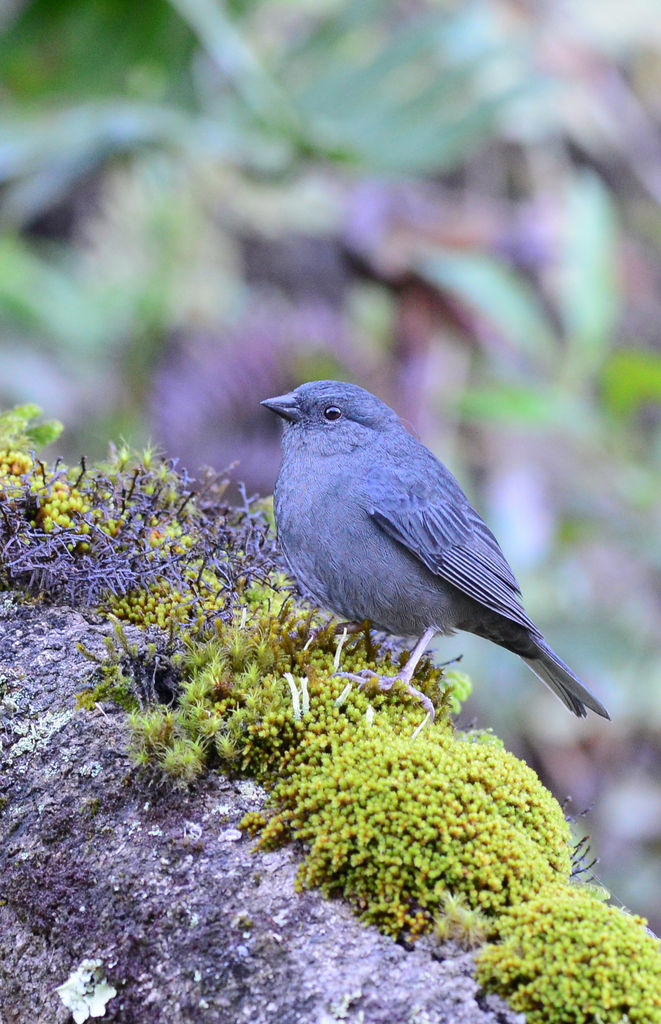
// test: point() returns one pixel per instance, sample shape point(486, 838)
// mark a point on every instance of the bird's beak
point(285, 406)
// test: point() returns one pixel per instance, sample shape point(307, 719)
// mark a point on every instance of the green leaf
point(44, 152)
point(589, 296)
point(498, 294)
point(414, 98)
point(45, 433)
point(510, 403)
point(630, 379)
point(461, 686)
point(44, 298)
point(95, 49)
point(222, 38)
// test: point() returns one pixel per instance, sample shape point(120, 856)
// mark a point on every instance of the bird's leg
point(405, 676)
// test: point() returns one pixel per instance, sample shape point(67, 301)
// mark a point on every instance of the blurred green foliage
point(457, 205)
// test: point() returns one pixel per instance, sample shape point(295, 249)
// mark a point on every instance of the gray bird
point(375, 527)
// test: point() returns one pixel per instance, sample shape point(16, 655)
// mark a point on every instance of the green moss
point(458, 922)
point(183, 760)
point(117, 671)
point(114, 687)
point(441, 830)
point(92, 807)
point(393, 823)
point(568, 958)
point(236, 696)
point(20, 429)
point(392, 820)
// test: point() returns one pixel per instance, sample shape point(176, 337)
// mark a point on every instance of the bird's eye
point(331, 412)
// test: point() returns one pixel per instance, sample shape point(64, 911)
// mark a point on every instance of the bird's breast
point(341, 556)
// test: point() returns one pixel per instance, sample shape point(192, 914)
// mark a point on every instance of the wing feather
point(435, 522)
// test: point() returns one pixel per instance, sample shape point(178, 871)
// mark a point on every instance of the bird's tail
point(552, 670)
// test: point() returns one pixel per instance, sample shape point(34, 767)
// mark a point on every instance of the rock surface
point(191, 924)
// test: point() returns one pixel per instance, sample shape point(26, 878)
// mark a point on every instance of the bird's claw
point(362, 677)
point(423, 698)
point(386, 683)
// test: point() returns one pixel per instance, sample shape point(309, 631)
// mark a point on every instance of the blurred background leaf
point(502, 298)
point(588, 288)
point(631, 380)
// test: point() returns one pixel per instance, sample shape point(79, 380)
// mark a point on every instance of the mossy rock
point(420, 830)
point(420, 826)
point(393, 817)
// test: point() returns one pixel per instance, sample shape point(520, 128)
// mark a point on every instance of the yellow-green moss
point(392, 820)
point(134, 537)
point(568, 958)
point(13, 464)
point(393, 823)
point(21, 428)
point(118, 689)
point(461, 924)
point(59, 505)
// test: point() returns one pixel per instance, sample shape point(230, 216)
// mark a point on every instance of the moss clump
point(393, 823)
point(134, 537)
point(235, 695)
point(568, 958)
point(459, 923)
point(392, 820)
point(119, 690)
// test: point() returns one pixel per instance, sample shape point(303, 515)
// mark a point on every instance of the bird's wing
point(431, 517)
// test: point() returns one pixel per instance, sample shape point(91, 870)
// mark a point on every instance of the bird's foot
point(385, 683)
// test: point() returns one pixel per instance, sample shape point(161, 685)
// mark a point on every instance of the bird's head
point(332, 415)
